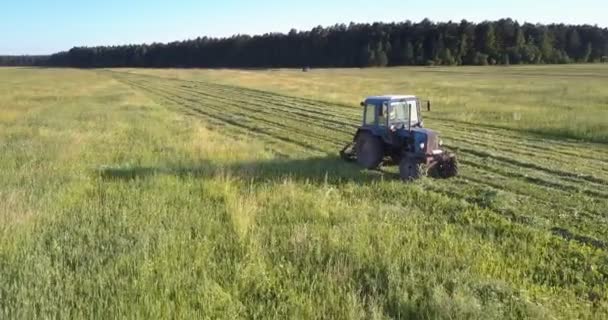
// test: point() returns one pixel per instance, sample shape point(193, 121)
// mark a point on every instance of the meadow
point(145, 193)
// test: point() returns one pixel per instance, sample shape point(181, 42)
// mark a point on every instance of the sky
point(44, 27)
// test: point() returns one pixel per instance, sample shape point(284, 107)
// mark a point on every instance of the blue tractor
point(392, 131)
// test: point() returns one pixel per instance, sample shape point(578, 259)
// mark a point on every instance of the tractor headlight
point(422, 145)
point(440, 143)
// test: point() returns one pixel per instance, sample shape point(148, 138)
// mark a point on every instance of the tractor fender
point(360, 131)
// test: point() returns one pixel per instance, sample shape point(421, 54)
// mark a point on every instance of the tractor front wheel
point(410, 169)
point(368, 149)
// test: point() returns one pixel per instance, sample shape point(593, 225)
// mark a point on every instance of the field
point(219, 194)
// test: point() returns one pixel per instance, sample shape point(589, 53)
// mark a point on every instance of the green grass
point(218, 194)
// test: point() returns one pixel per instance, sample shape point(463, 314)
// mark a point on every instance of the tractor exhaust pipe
point(409, 117)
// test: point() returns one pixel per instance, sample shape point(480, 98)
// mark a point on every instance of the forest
point(501, 42)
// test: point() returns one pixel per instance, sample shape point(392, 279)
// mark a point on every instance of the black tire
point(410, 170)
point(369, 151)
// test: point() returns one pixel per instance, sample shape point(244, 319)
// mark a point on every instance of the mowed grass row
point(524, 177)
point(117, 201)
point(559, 101)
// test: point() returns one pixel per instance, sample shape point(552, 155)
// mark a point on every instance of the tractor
point(392, 130)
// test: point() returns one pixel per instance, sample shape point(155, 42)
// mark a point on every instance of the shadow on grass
point(314, 170)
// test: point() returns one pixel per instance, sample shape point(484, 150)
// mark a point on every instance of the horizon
point(68, 24)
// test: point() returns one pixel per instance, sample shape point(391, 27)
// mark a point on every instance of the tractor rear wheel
point(410, 169)
point(368, 149)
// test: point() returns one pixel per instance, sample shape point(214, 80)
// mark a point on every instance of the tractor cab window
point(383, 115)
point(400, 111)
point(370, 115)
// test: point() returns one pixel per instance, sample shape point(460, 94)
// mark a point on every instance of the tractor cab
point(392, 127)
point(393, 112)
point(397, 120)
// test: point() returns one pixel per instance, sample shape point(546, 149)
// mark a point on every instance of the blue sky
point(40, 27)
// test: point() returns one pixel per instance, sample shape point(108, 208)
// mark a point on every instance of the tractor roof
point(381, 99)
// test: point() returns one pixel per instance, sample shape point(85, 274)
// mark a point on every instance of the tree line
point(356, 45)
point(17, 61)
